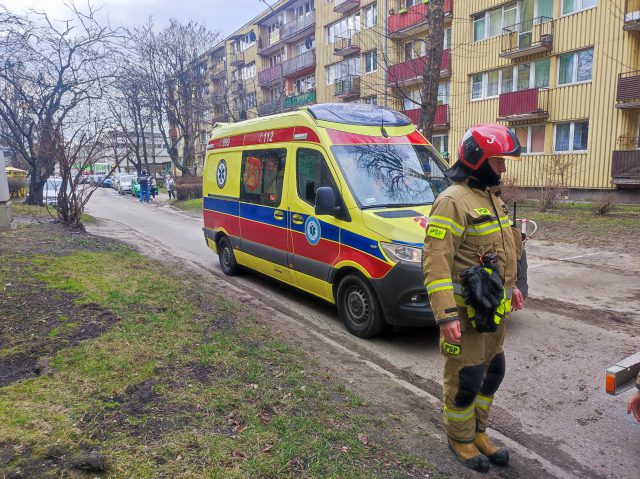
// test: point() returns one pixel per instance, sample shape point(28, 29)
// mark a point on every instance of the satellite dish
point(252, 36)
point(308, 42)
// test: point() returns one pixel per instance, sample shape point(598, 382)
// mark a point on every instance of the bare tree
point(175, 72)
point(51, 73)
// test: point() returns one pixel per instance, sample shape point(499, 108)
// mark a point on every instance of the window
point(312, 173)
point(277, 58)
point(575, 67)
point(571, 6)
point(412, 100)
point(447, 39)
point(250, 100)
point(510, 79)
point(305, 9)
point(246, 42)
point(571, 136)
point(493, 86)
point(262, 176)
point(305, 84)
point(441, 143)
point(369, 100)
point(343, 69)
point(491, 22)
point(477, 81)
point(371, 61)
point(371, 16)
point(443, 93)
point(344, 28)
point(249, 71)
point(531, 138)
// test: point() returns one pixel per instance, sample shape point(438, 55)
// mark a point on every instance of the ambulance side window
point(312, 172)
point(263, 176)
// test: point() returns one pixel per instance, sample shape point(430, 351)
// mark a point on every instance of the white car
point(123, 183)
point(51, 190)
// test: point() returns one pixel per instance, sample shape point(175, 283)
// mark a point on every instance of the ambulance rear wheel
point(359, 307)
point(228, 262)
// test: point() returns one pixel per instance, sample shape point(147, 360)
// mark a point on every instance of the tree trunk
point(36, 185)
point(434, 43)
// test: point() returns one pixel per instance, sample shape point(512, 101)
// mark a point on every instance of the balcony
point(412, 71)
point(532, 104)
point(299, 27)
point(632, 15)
point(348, 87)
point(294, 101)
point(412, 20)
point(218, 99)
point(625, 168)
point(628, 94)
point(218, 71)
point(270, 42)
point(346, 45)
point(237, 59)
point(344, 6)
point(300, 63)
point(527, 38)
point(270, 107)
point(441, 120)
point(270, 75)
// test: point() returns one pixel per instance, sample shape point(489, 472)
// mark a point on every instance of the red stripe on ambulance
point(281, 135)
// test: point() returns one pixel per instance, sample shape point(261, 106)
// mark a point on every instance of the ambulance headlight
point(401, 252)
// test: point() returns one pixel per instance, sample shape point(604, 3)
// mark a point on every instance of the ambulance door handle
point(297, 219)
point(279, 215)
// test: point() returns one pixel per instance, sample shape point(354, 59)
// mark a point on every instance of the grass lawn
point(575, 223)
point(44, 212)
point(194, 205)
point(117, 366)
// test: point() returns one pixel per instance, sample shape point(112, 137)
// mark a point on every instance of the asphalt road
point(581, 318)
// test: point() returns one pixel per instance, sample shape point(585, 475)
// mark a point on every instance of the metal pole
point(5, 204)
point(385, 17)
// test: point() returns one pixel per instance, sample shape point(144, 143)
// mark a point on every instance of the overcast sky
point(225, 16)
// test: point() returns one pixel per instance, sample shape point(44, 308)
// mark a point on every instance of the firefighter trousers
point(473, 372)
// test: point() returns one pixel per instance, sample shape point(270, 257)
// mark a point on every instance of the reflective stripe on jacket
point(464, 224)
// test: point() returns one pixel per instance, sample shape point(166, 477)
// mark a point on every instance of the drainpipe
point(384, 46)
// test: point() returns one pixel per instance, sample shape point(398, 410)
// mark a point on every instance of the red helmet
point(486, 140)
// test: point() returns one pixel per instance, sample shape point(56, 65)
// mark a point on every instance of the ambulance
point(332, 199)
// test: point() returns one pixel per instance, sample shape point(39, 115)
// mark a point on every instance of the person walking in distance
point(143, 181)
point(153, 184)
point(469, 267)
point(171, 187)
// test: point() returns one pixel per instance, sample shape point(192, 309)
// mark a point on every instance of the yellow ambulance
point(332, 199)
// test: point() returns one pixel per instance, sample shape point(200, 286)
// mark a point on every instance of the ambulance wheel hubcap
point(226, 257)
point(357, 305)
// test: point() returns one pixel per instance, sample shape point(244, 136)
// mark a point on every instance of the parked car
point(96, 180)
point(51, 190)
point(123, 183)
point(135, 187)
point(106, 183)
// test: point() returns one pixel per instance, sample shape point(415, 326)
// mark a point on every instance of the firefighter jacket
point(466, 223)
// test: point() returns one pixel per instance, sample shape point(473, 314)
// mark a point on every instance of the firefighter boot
point(469, 455)
point(496, 455)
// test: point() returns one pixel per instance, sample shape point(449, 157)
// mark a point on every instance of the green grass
point(189, 205)
point(230, 398)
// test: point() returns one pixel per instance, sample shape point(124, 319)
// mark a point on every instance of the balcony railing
point(299, 62)
point(295, 101)
point(628, 94)
point(524, 105)
point(625, 168)
point(412, 19)
point(237, 59)
point(346, 45)
point(440, 121)
point(631, 15)
point(270, 75)
point(347, 87)
point(298, 25)
point(274, 37)
point(527, 38)
point(270, 107)
point(218, 71)
point(412, 71)
point(344, 6)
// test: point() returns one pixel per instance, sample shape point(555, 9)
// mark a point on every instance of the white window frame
point(528, 146)
point(514, 80)
point(366, 13)
point(572, 125)
point(374, 58)
point(577, 9)
point(487, 20)
point(574, 73)
point(438, 140)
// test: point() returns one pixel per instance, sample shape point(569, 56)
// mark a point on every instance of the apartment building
point(563, 74)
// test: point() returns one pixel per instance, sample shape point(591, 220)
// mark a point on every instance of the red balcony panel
point(441, 119)
point(270, 74)
point(412, 69)
point(526, 103)
point(413, 16)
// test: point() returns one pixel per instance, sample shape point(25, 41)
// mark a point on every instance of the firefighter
point(469, 238)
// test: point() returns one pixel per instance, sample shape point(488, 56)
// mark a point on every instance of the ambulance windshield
point(391, 175)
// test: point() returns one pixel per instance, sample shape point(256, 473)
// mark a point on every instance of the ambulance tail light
point(400, 252)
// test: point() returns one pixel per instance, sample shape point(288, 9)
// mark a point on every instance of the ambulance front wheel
point(228, 262)
point(359, 307)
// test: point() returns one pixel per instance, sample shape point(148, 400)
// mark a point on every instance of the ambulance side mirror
point(327, 202)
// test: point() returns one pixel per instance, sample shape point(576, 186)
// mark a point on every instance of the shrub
point(510, 192)
point(550, 196)
point(188, 191)
point(604, 204)
point(188, 180)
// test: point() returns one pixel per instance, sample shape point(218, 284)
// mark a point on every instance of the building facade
point(563, 74)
